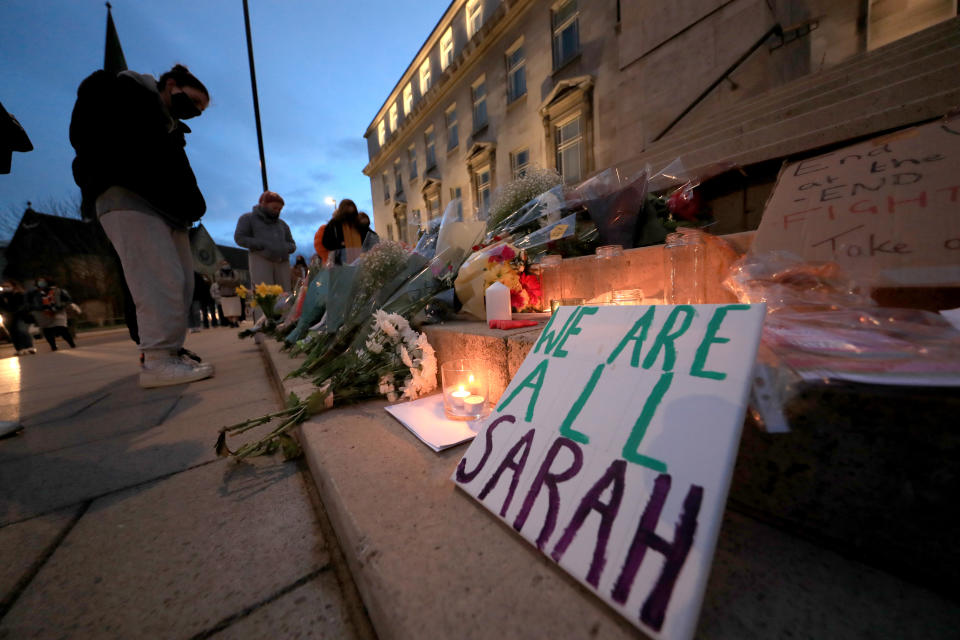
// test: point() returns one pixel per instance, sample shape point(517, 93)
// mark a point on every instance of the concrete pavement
point(117, 520)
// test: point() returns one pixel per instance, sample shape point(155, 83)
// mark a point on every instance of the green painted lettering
point(533, 381)
point(573, 330)
point(549, 336)
point(643, 326)
point(566, 429)
point(630, 449)
point(665, 339)
point(709, 338)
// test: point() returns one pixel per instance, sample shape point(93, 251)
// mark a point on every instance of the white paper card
point(613, 446)
point(426, 420)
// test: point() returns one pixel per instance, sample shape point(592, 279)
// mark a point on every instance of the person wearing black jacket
point(134, 176)
point(344, 236)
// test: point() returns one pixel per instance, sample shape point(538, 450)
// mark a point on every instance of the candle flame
point(471, 378)
point(461, 388)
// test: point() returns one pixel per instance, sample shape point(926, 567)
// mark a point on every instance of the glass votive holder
point(465, 389)
point(565, 302)
point(623, 297)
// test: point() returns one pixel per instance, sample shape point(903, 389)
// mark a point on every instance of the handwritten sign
point(888, 210)
point(612, 449)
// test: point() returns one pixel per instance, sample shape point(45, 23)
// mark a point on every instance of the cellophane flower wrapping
point(822, 327)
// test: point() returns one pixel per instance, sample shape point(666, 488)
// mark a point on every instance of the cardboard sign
point(887, 210)
point(612, 450)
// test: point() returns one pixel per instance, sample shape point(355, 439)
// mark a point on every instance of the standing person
point(208, 308)
point(321, 251)
point(299, 272)
point(343, 236)
point(16, 317)
point(370, 237)
point(269, 240)
point(133, 173)
point(49, 305)
point(227, 283)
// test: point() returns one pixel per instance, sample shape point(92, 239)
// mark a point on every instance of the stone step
point(909, 101)
point(874, 65)
point(430, 562)
point(901, 90)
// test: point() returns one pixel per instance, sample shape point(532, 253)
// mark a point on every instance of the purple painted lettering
point(612, 478)
point(551, 480)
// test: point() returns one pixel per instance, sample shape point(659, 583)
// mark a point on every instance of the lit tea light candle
point(458, 397)
point(474, 405)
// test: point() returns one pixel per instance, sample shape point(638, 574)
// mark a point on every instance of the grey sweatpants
point(158, 266)
point(263, 270)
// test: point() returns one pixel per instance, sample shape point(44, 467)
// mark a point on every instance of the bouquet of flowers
point(265, 298)
point(395, 361)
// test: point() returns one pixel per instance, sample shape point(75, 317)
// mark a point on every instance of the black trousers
point(51, 334)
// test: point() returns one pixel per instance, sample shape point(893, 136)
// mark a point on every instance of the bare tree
point(10, 216)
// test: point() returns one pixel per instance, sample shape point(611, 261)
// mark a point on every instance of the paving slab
point(40, 483)
point(314, 610)
point(23, 546)
point(174, 557)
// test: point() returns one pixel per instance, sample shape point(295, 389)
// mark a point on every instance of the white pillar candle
point(498, 302)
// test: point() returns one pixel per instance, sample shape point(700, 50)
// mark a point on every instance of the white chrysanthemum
point(405, 357)
point(375, 347)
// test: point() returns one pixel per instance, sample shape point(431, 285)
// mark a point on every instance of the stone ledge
point(430, 562)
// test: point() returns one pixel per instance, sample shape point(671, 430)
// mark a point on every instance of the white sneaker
point(170, 371)
point(9, 427)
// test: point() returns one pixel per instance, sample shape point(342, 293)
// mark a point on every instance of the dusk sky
point(323, 70)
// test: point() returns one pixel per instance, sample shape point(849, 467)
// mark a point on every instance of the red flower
point(684, 204)
point(507, 253)
point(531, 284)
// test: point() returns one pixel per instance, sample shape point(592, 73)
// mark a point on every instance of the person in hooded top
point(134, 176)
point(269, 240)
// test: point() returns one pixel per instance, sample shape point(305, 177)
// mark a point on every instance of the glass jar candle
point(684, 281)
point(465, 389)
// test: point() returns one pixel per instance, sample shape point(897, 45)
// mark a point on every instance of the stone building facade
point(583, 85)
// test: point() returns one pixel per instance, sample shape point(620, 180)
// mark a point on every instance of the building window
point(381, 132)
point(565, 19)
point(407, 99)
point(429, 142)
point(456, 195)
point(569, 144)
point(412, 160)
point(397, 177)
point(483, 190)
point(386, 187)
point(433, 206)
point(453, 135)
point(394, 118)
point(516, 73)
point(425, 77)
point(479, 92)
point(519, 160)
point(446, 49)
point(390, 232)
point(474, 16)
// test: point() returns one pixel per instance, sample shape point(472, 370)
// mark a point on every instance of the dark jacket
point(333, 239)
point(265, 235)
point(124, 136)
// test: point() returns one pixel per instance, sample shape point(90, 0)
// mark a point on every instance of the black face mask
point(182, 107)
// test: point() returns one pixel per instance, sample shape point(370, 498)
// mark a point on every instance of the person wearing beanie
point(269, 241)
